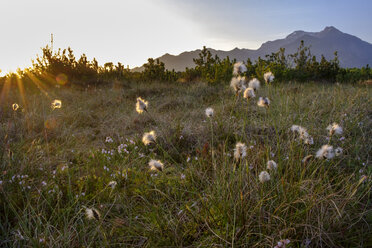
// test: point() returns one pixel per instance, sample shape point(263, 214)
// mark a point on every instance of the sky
point(130, 31)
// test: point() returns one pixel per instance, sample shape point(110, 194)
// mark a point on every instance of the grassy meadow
point(78, 176)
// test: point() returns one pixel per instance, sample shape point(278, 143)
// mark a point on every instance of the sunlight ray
point(5, 90)
point(22, 92)
point(39, 84)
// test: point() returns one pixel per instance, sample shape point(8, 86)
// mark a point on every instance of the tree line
point(62, 65)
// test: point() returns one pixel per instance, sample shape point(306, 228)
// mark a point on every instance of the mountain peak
point(296, 34)
point(330, 29)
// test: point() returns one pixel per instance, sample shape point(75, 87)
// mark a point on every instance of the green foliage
point(212, 69)
point(300, 66)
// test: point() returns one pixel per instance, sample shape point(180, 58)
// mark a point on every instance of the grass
point(55, 163)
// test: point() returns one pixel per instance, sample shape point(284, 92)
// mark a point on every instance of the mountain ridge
point(352, 51)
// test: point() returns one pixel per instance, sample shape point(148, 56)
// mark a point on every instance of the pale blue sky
point(132, 31)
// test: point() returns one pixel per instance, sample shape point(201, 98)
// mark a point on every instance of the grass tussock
point(79, 175)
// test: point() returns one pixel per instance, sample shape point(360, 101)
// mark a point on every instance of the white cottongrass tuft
point(338, 151)
point(112, 184)
point(303, 134)
point(15, 106)
point(254, 84)
point(269, 77)
point(156, 165)
point(239, 68)
point(295, 128)
point(325, 152)
point(92, 213)
point(264, 176)
point(263, 102)
point(141, 105)
point(209, 112)
point(271, 165)
point(149, 138)
point(238, 84)
point(235, 84)
point(334, 128)
point(240, 151)
point(249, 93)
point(56, 104)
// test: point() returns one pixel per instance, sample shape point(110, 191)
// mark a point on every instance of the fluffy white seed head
point(264, 176)
point(149, 138)
point(303, 134)
point(295, 128)
point(141, 105)
point(338, 151)
point(271, 165)
point(298, 129)
point(249, 93)
point(15, 106)
point(334, 128)
point(112, 184)
point(156, 165)
point(92, 213)
point(237, 84)
point(254, 84)
point(240, 151)
point(263, 102)
point(209, 112)
point(325, 152)
point(239, 68)
point(56, 104)
point(269, 77)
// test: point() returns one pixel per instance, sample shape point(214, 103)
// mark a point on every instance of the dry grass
point(320, 204)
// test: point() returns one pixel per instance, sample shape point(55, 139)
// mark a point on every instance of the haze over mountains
point(352, 51)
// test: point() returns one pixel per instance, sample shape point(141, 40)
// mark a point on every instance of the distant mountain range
point(352, 51)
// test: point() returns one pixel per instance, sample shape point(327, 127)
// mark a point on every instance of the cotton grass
point(156, 165)
point(269, 77)
point(254, 84)
point(209, 112)
point(239, 68)
point(325, 152)
point(264, 176)
point(263, 102)
point(334, 128)
point(249, 93)
point(271, 165)
point(303, 134)
point(112, 184)
point(240, 151)
point(92, 213)
point(141, 105)
point(149, 138)
point(238, 84)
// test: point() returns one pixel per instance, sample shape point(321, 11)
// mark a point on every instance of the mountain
point(352, 51)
